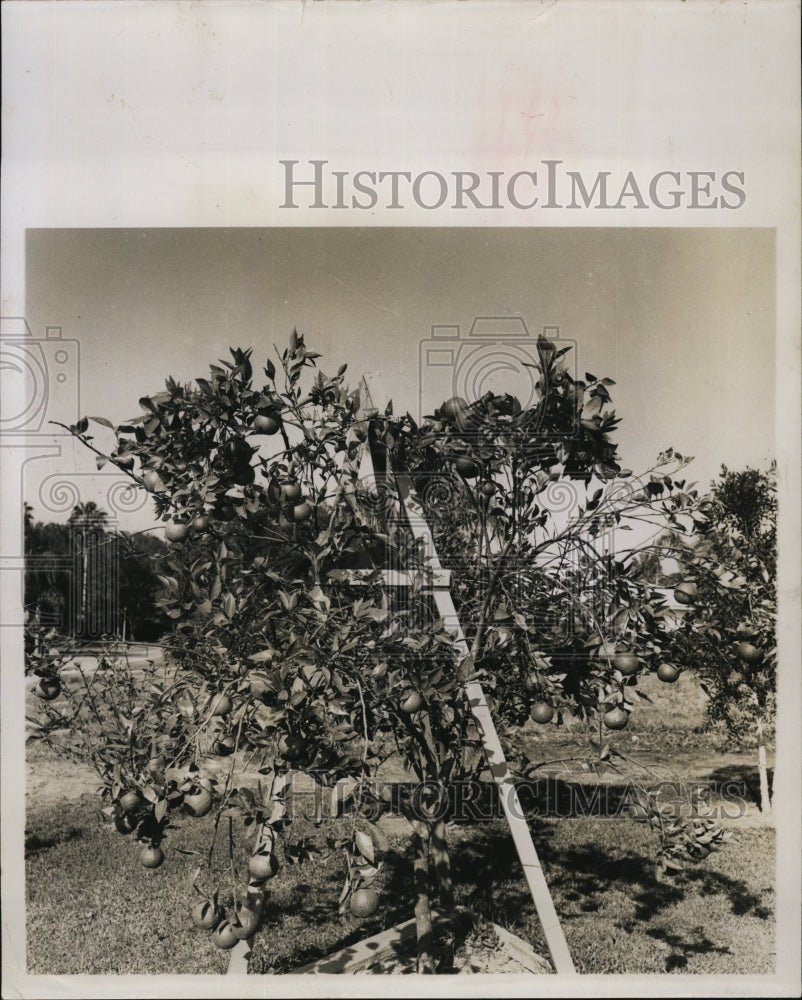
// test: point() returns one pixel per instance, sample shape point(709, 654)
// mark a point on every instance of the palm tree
point(87, 523)
point(88, 514)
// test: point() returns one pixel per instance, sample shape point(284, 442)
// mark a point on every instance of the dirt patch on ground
point(48, 776)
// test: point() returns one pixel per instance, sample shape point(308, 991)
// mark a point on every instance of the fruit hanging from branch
point(291, 491)
point(224, 936)
point(263, 865)
point(411, 702)
point(48, 688)
point(302, 512)
point(542, 712)
point(466, 467)
point(749, 653)
point(615, 718)
point(206, 915)
point(266, 423)
point(457, 411)
point(198, 802)
point(130, 802)
point(245, 922)
point(151, 856)
point(364, 902)
point(199, 523)
point(224, 746)
point(686, 592)
point(668, 673)
point(176, 531)
point(626, 663)
point(125, 823)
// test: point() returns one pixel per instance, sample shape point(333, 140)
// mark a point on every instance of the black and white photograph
point(400, 501)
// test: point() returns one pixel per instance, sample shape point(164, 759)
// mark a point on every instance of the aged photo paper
point(423, 191)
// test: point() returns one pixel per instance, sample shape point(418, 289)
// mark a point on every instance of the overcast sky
point(682, 319)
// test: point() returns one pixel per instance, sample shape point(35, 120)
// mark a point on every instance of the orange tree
point(281, 663)
point(728, 635)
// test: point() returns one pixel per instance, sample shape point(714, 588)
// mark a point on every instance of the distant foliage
point(729, 635)
point(54, 589)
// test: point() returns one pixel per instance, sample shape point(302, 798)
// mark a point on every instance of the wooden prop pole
point(413, 511)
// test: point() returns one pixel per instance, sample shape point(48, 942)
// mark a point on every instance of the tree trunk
point(423, 916)
point(445, 885)
point(442, 865)
point(765, 800)
point(84, 574)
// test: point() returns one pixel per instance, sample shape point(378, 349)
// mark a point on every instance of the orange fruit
point(627, 663)
point(224, 936)
point(176, 531)
point(749, 653)
point(263, 866)
point(130, 801)
point(615, 718)
point(667, 673)
point(266, 424)
point(364, 902)
point(686, 592)
point(301, 512)
point(542, 712)
point(206, 915)
point(411, 703)
point(151, 857)
point(466, 467)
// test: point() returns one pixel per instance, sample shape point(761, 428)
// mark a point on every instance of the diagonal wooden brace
point(519, 828)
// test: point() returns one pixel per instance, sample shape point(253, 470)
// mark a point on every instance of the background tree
point(141, 618)
point(115, 575)
point(47, 577)
point(92, 569)
point(728, 635)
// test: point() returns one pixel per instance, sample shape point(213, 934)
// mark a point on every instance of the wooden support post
point(513, 811)
point(519, 828)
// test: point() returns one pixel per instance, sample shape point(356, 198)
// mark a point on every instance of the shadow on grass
point(584, 875)
point(742, 900)
point(314, 895)
point(58, 823)
point(683, 947)
point(36, 844)
point(739, 781)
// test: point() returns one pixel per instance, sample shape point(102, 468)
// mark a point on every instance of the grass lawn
point(93, 909)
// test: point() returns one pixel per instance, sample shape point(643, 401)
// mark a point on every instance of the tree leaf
point(262, 657)
point(364, 845)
